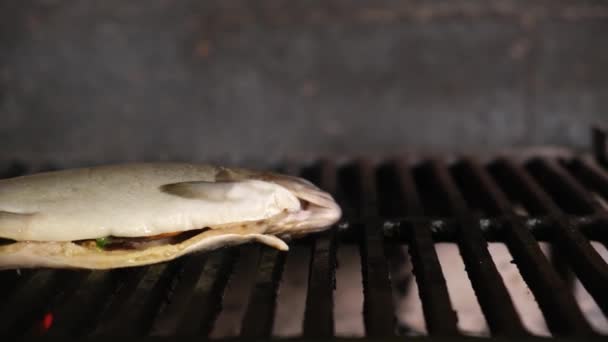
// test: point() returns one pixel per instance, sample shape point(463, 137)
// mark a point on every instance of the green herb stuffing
point(102, 242)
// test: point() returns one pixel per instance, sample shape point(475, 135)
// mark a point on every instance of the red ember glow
point(47, 321)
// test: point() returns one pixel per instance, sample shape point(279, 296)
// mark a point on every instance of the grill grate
point(235, 290)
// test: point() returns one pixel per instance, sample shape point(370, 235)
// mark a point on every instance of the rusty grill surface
point(385, 204)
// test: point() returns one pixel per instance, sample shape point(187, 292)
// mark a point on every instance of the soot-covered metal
point(386, 204)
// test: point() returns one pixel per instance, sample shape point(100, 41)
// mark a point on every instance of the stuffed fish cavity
point(136, 214)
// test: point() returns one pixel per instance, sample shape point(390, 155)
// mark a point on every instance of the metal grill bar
point(378, 302)
point(9, 280)
point(378, 309)
point(555, 300)
point(80, 311)
point(134, 307)
point(600, 144)
point(522, 187)
point(318, 315)
point(167, 321)
point(493, 296)
point(291, 295)
point(586, 262)
point(206, 301)
point(393, 203)
point(260, 312)
point(319, 311)
point(439, 315)
point(30, 299)
point(238, 292)
point(592, 175)
point(565, 190)
point(63, 289)
point(407, 186)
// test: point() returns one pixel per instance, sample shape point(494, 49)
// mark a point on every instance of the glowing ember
point(47, 321)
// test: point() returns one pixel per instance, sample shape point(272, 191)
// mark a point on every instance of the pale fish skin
point(44, 213)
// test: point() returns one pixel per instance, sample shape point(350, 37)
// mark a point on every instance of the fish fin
point(10, 218)
point(212, 191)
point(270, 240)
point(14, 225)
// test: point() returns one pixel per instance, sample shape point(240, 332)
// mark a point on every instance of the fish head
point(318, 209)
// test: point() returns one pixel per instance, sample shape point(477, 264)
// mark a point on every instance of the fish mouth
point(318, 209)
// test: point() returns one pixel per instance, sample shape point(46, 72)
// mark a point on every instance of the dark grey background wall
point(233, 80)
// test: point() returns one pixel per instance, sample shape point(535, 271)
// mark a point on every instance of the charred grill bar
point(378, 311)
point(600, 144)
point(318, 316)
point(586, 262)
point(438, 312)
point(491, 291)
point(557, 303)
point(235, 290)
